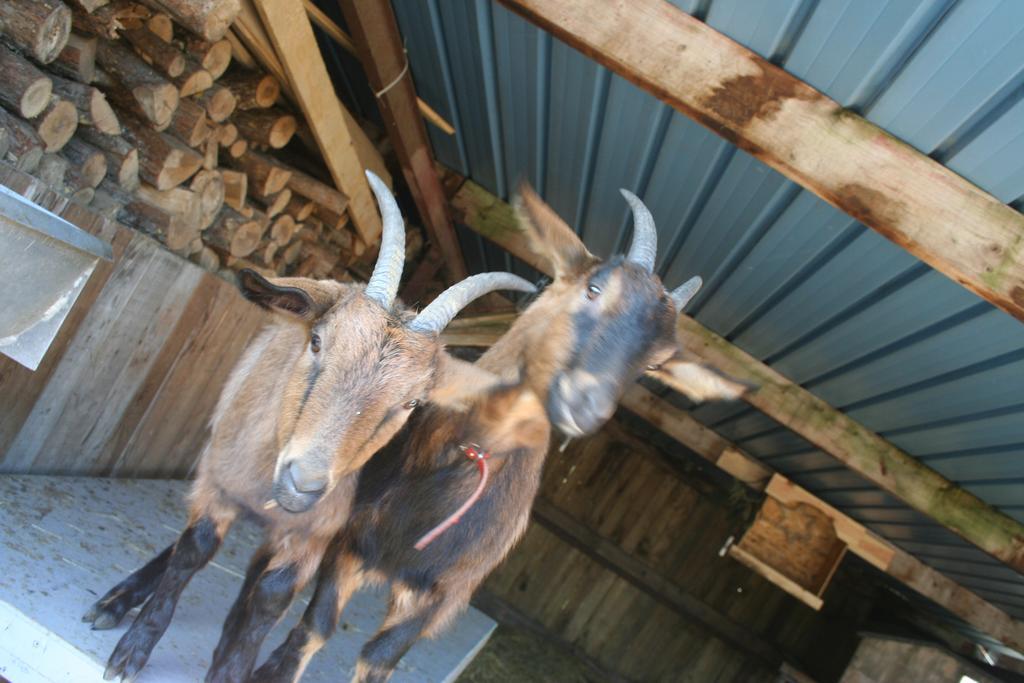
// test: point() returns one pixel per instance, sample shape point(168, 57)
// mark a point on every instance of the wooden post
point(954, 226)
point(382, 53)
point(296, 47)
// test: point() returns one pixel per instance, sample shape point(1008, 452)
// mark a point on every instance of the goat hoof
point(106, 614)
point(128, 659)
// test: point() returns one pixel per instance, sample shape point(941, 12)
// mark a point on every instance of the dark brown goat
point(316, 394)
point(565, 363)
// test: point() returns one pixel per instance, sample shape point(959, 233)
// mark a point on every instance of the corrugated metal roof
point(791, 280)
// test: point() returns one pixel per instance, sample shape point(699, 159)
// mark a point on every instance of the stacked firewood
point(137, 109)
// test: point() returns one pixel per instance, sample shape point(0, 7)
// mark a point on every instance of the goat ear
point(457, 383)
point(302, 297)
point(700, 382)
point(548, 235)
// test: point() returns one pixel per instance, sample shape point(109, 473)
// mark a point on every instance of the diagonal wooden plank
point(288, 26)
point(946, 221)
point(379, 45)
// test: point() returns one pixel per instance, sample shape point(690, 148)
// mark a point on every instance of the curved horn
point(682, 294)
point(448, 303)
point(644, 246)
point(383, 284)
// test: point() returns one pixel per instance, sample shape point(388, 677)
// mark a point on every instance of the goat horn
point(383, 284)
point(644, 246)
point(682, 294)
point(448, 303)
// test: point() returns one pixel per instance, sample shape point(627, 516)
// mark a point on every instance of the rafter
point(947, 222)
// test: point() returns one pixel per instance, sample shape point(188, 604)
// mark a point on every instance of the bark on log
point(209, 19)
point(163, 56)
point(189, 124)
point(77, 60)
point(236, 186)
point(38, 27)
point(270, 127)
point(109, 21)
point(26, 90)
point(219, 103)
point(153, 95)
point(122, 156)
point(214, 56)
point(316, 260)
point(91, 105)
point(252, 89)
point(323, 195)
point(88, 164)
point(266, 176)
point(163, 161)
point(56, 124)
point(5, 142)
point(209, 187)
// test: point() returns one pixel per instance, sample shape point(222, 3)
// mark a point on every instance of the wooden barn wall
point(673, 523)
point(128, 385)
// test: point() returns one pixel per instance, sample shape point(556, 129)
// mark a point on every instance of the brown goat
point(565, 363)
point(317, 393)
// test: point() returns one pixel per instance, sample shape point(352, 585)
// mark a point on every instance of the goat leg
point(340, 576)
point(193, 550)
point(410, 614)
point(268, 597)
point(108, 611)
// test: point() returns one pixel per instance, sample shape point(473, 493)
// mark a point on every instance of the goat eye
point(410, 404)
point(653, 367)
point(593, 291)
point(314, 343)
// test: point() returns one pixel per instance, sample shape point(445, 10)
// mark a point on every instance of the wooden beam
point(382, 53)
point(292, 35)
point(947, 222)
point(610, 555)
point(334, 32)
point(794, 407)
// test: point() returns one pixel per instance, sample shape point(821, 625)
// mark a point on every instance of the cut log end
point(36, 98)
point(282, 131)
point(53, 35)
point(57, 124)
point(158, 102)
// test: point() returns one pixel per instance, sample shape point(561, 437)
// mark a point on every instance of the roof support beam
point(292, 35)
point(941, 218)
point(379, 45)
point(857, 447)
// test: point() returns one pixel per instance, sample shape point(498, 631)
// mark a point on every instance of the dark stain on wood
point(872, 208)
point(740, 100)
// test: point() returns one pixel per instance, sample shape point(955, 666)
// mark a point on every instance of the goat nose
point(305, 480)
point(295, 492)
